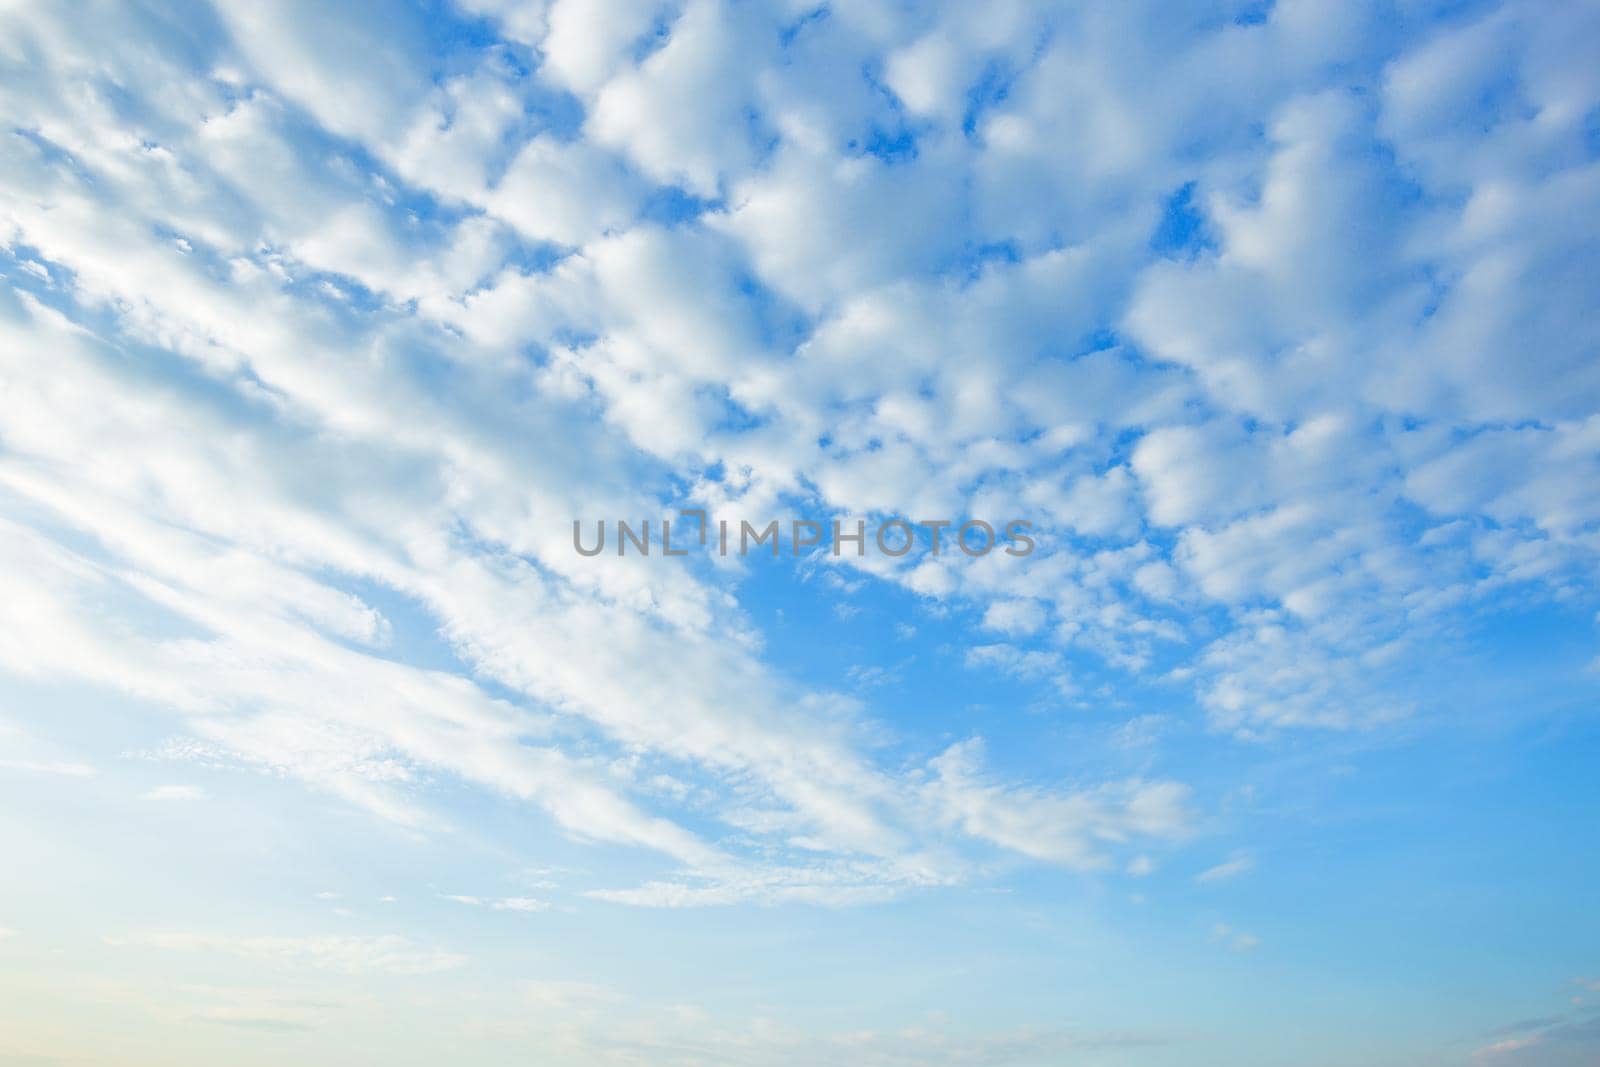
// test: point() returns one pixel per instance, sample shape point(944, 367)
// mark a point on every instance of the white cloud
point(570, 193)
point(1062, 827)
point(63, 769)
point(523, 904)
point(1230, 868)
point(681, 115)
point(176, 793)
point(332, 62)
point(1028, 665)
point(585, 42)
point(1016, 617)
point(526, 904)
point(1234, 939)
point(387, 954)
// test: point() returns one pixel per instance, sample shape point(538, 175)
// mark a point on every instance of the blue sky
point(321, 324)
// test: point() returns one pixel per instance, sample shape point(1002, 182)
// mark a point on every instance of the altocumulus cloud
point(1278, 328)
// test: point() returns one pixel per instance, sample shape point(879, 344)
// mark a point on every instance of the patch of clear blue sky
point(1386, 857)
